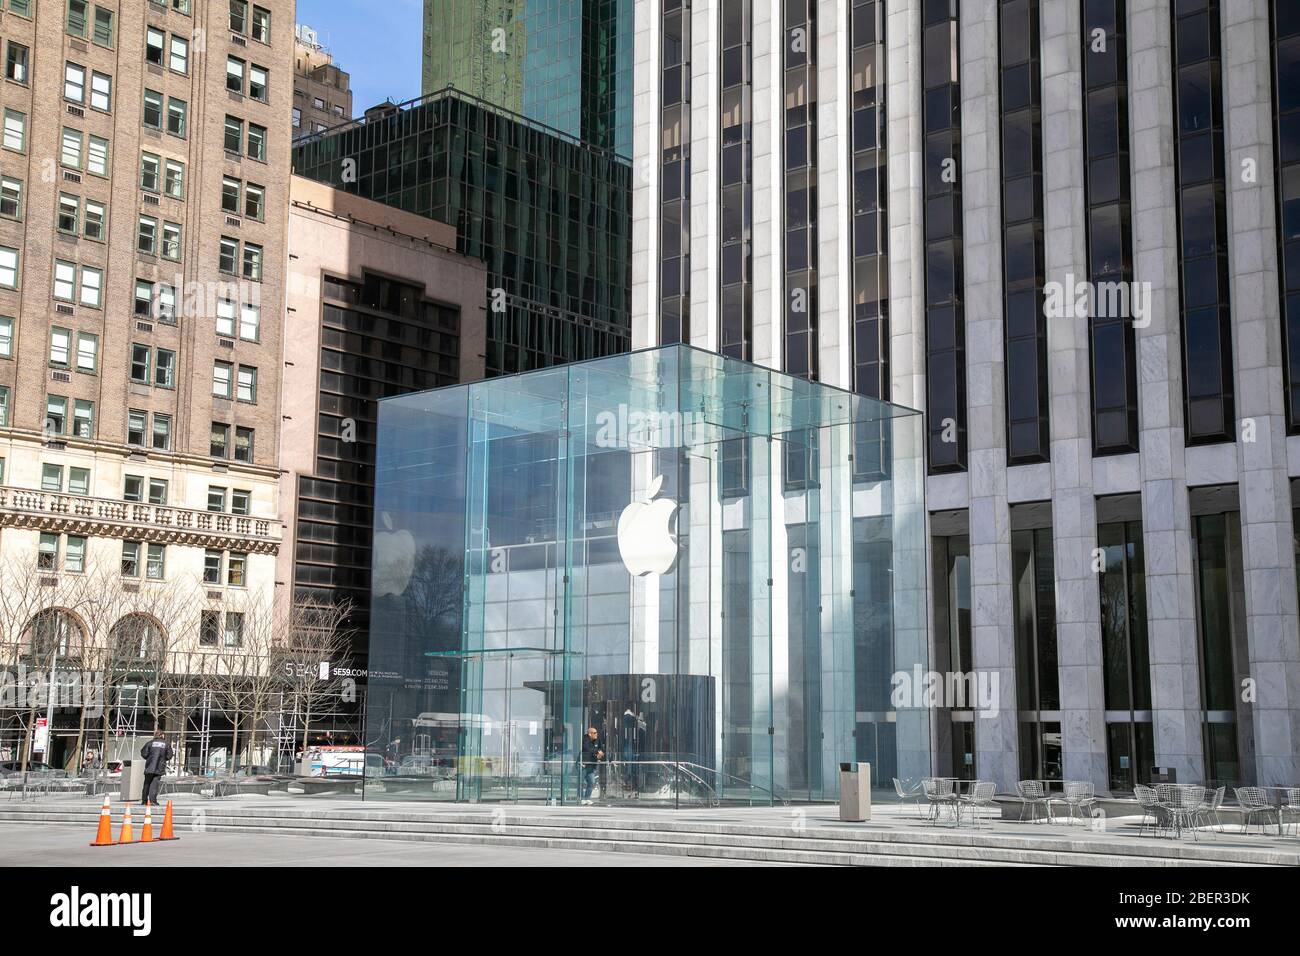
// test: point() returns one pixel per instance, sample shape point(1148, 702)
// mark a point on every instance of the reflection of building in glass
point(557, 551)
point(322, 93)
point(550, 217)
point(565, 63)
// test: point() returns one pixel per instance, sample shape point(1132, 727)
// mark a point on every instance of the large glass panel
point(1216, 541)
point(554, 553)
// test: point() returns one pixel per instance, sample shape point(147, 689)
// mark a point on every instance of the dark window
point(1286, 93)
point(945, 331)
point(1202, 225)
point(870, 223)
point(1022, 235)
point(736, 332)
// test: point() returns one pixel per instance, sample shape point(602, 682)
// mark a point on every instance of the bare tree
point(165, 617)
point(225, 678)
point(264, 625)
point(241, 676)
point(53, 635)
point(22, 597)
point(318, 640)
point(99, 605)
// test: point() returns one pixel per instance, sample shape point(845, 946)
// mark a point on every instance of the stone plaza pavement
point(329, 829)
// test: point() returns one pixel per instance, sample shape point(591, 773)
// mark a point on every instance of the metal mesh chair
point(1291, 808)
point(1209, 809)
point(1181, 802)
point(979, 798)
point(1167, 803)
point(1150, 804)
point(939, 792)
point(1033, 794)
point(1190, 800)
point(1079, 800)
point(906, 793)
point(1254, 804)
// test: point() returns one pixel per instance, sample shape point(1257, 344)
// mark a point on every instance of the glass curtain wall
point(1125, 651)
point(675, 175)
point(1202, 223)
point(945, 317)
point(736, 199)
point(555, 552)
point(1286, 117)
point(1112, 337)
point(799, 56)
point(1038, 690)
point(955, 733)
point(1023, 265)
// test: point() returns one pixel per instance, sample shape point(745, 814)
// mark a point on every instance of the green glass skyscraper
point(565, 63)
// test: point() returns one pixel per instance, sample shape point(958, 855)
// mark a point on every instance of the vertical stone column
point(834, 516)
point(647, 146)
point(643, 643)
point(762, 639)
point(905, 151)
point(767, 130)
point(1074, 511)
point(905, 504)
point(904, 148)
point(992, 621)
point(1268, 559)
point(1166, 520)
point(778, 573)
point(706, 159)
point(834, 206)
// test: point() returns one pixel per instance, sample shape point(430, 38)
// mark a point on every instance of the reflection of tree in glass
point(1114, 627)
point(434, 596)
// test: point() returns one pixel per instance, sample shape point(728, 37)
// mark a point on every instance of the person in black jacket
point(593, 752)
point(156, 753)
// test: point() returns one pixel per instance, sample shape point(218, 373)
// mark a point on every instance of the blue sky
point(377, 41)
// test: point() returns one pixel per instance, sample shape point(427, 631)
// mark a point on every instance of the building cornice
point(58, 512)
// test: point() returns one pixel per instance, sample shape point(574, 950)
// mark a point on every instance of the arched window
point(55, 630)
point(136, 637)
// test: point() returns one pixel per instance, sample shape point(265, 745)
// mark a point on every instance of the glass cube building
point(719, 567)
point(548, 214)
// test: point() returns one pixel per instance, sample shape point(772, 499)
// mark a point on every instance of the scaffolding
point(245, 704)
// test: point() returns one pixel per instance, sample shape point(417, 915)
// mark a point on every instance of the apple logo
point(645, 541)
point(394, 559)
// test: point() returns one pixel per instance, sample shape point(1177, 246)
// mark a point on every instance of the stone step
point(841, 846)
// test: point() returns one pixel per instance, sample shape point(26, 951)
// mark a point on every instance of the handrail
point(679, 764)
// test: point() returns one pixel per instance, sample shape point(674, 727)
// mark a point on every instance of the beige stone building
point(322, 96)
point(379, 304)
point(142, 253)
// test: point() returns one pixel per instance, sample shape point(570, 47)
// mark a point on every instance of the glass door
point(512, 731)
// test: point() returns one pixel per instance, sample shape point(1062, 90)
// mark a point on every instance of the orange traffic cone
point(125, 834)
point(146, 831)
point(105, 835)
point(167, 833)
